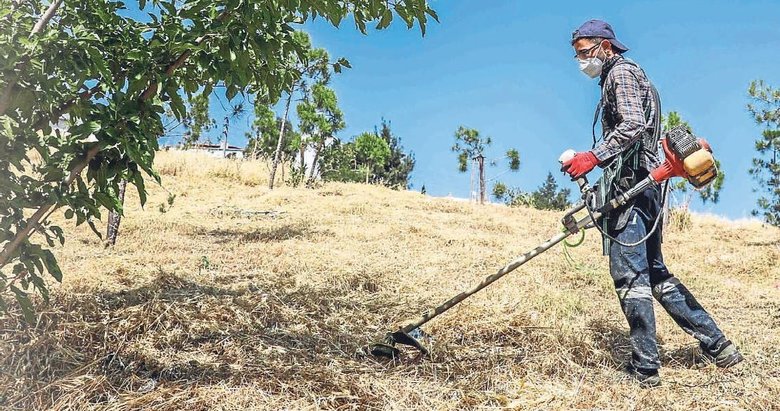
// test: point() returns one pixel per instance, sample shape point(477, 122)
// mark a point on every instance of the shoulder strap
point(614, 171)
point(656, 99)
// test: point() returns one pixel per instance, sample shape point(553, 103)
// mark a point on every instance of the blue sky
point(506, 69)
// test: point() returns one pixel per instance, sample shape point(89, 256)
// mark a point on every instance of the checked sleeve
point(630, 112)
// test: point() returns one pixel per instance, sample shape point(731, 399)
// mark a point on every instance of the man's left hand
point(580, 164)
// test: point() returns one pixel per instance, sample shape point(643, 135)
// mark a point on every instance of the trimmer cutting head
point(386, 348)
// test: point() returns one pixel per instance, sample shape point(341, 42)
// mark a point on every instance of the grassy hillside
point(241, 298)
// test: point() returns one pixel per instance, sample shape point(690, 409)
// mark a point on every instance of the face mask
point(591, 66)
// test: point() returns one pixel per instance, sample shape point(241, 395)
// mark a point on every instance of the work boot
point(646, 378)
point(724, 355)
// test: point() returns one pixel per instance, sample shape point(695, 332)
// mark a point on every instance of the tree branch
point(35, 219)
point(64, 107)
point(5, 97)
point(44, 20)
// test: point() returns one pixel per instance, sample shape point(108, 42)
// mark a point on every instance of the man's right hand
point(582, 163)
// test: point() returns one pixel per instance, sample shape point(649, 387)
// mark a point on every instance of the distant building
point(222, 150)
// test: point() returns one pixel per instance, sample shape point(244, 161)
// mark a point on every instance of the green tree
point(308, 67)
point(471, 146)
point(672, 120)
point(371, 151)
point(197, 120)
point(262, 139)
point(765, 108)
point(500, 191)
point(399, 165)
point(320, 119)
point(106, 77)
point(342, 161)
point(547, 197)
point(338, 163)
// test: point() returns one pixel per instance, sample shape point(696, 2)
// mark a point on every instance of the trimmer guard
point(388, 349)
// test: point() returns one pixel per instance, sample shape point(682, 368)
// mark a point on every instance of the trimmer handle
point(582, 182)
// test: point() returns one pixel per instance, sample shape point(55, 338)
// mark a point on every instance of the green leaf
point(82, 186)
point(94, 229)
point(431, 12)
point(169, 7)
point(107, 201)
point(58, 232)
point(100, 63)
point(144, 161)
point(387, 18)
point(40, 285)
point(344, 62)
point(68, 214)
point(177, 106)
point(86, 128)
point(138, 179)
point(26, 305)
point(231, 92)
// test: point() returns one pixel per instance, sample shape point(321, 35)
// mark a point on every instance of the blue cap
point(598, 28)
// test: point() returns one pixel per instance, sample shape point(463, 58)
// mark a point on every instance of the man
point(628, 150)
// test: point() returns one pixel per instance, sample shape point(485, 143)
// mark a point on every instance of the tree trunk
point(278, 153)
point(253, 156)
point(481, 160)
point(320, 145)
point(281, 163)
point(302, 165)
point(114, 218)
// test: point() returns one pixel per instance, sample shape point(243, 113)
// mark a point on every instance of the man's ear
point(607, 46)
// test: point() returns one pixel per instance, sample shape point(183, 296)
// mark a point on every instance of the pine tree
point(399, 165)
point(765, 109)
point(548, 197)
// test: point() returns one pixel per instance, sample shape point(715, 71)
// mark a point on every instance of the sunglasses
point(584, 52)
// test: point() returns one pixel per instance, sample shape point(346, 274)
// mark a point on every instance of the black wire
point(645, 238)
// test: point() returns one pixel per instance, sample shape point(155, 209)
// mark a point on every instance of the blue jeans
point(639, 274)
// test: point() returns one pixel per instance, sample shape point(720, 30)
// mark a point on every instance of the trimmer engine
point(686, 156)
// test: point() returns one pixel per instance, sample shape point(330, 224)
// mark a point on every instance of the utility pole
point(472, 176)
point(225, 133)
point(481, 162)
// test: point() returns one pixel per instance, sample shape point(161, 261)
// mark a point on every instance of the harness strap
point(614, 172)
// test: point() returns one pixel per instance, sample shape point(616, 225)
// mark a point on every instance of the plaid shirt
point(628, 112)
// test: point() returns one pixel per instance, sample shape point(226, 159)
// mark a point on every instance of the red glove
point(580, 164)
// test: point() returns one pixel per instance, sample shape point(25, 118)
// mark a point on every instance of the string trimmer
point(685, 156)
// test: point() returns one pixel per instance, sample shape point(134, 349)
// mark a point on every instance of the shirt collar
point(608, 66)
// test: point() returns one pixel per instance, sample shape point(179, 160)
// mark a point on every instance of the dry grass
point(212, 305)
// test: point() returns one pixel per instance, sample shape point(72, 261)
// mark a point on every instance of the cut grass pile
point(237, 297)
